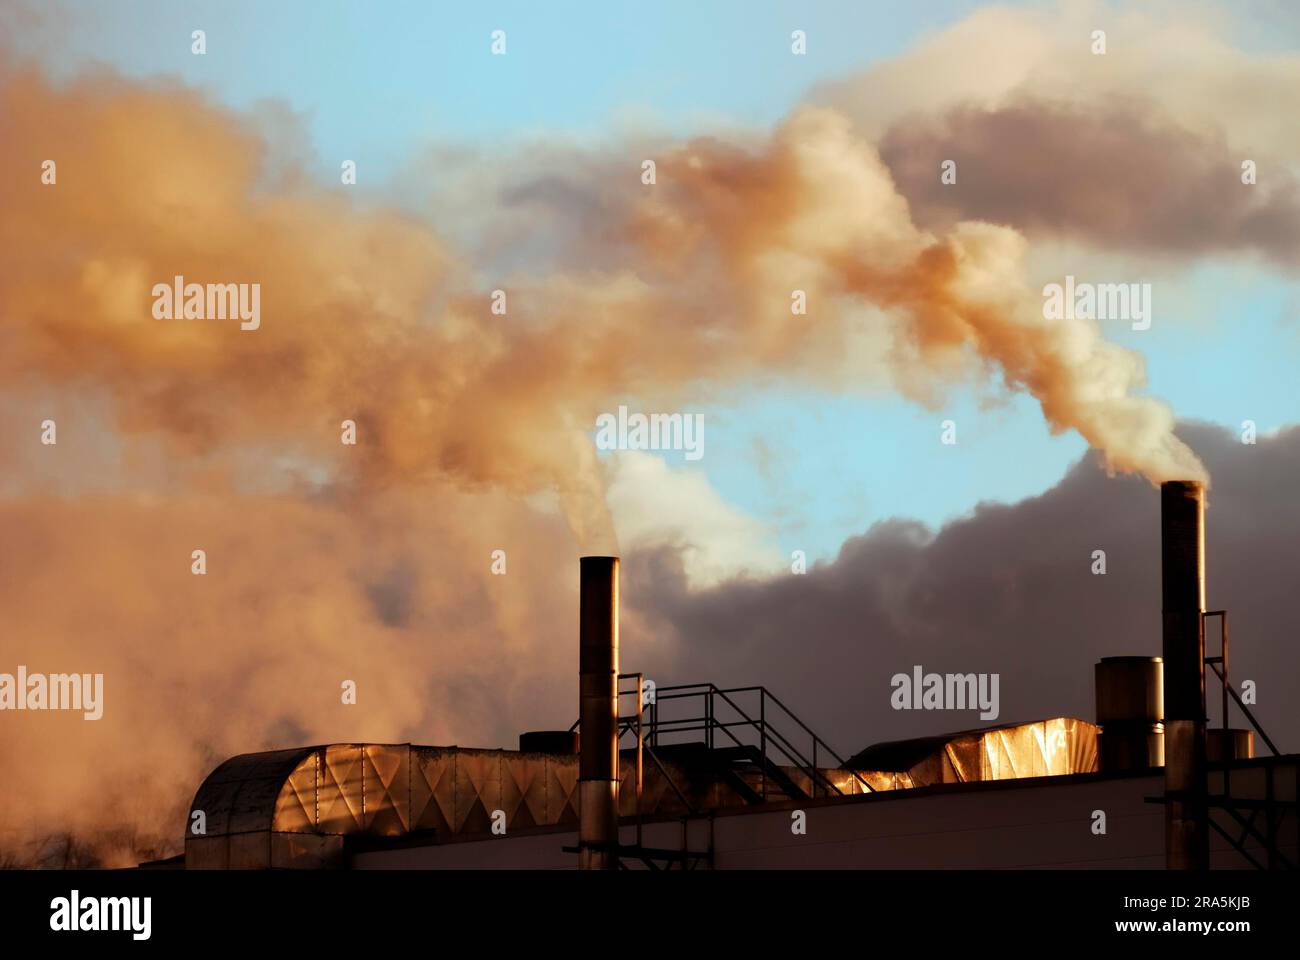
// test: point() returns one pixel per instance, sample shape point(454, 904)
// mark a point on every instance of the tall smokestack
point(598, 714)
point(1182, 533)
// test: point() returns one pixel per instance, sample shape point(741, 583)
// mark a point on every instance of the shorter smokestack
point(598, 714)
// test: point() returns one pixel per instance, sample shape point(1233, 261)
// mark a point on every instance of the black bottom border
point(320, 910)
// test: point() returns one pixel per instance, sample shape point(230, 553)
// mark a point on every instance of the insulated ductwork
point(598, 714)
point(1182, 531)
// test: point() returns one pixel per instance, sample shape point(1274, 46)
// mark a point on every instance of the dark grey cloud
point(1114, 174)
point(1007, 590)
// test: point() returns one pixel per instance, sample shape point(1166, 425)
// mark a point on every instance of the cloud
point(1113, 175)
point(1190, 59)
point(1139, 148)
point(655, 505)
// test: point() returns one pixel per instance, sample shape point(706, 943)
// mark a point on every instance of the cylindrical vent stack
point(1182, 574)
point(598, 714)
point(1130, 707)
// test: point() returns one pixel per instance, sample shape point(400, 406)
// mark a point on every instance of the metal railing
point(1219, 665)
point(742, 718)
point(1272, 809)
point(705, 713)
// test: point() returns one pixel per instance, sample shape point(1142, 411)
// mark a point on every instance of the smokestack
point(1182, 537)
point(598, 714)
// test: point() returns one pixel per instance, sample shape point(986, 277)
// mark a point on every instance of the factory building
point(705, 777)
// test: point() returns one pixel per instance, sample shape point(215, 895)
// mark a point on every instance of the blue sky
point(385, 76)
point(379, 82)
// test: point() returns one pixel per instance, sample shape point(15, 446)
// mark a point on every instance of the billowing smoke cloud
point(696, 275)
point(301, 593)
point(365, 317)
point(325, 562)
point(817, 211)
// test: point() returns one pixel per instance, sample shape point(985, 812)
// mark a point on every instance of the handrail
point(813, 771)
point(1246, 710)
point(764, 727)
point(807, 729)
point(700, 687)
point(797, 757)
point(792, 753)
point(692, 724)
point(710, 722)
point(1219, 665)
